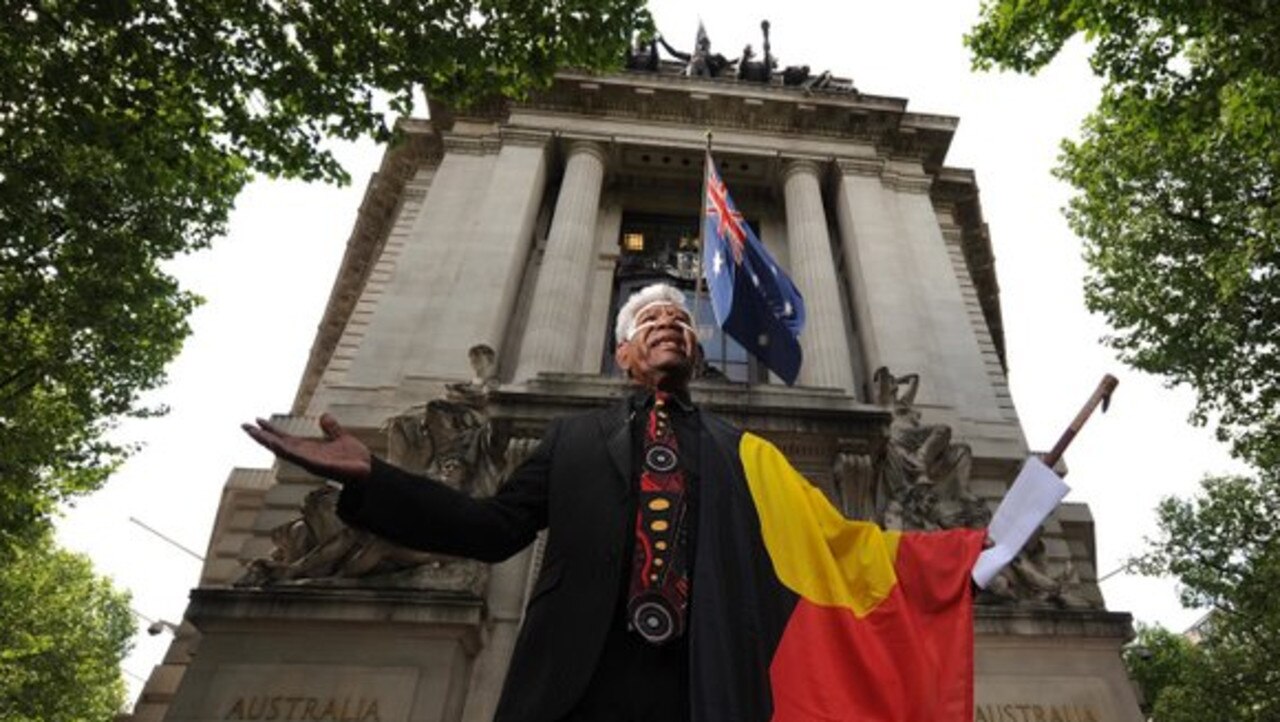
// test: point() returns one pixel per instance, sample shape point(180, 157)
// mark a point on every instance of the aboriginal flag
point(844, 621)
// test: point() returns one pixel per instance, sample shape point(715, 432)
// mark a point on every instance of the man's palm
point(338, 456)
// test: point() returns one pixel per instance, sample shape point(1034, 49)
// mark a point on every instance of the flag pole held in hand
point(1101, 395)
point(1033, 496)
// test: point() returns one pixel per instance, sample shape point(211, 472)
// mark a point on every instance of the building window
point(664, 249)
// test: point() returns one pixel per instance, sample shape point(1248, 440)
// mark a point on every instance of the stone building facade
point(475, 303)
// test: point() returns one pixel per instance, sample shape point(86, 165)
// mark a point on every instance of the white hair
point(647, 296)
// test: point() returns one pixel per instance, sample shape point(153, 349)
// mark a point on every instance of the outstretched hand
point(338, 456)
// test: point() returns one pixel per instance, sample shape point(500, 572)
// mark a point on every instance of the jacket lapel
point(616, 427)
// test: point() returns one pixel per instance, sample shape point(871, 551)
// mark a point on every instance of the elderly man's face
point(663, 348)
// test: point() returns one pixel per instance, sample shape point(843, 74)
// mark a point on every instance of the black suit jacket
point(578, 484)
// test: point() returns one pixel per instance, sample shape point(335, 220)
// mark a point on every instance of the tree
point(1224, 549)
point(63, 634)
point(1158, 661)
point(128, 127)
point(1176, 173)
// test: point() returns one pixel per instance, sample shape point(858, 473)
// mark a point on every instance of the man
point(658, 599)
point(580, 654)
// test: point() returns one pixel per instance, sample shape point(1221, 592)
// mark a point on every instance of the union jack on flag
point(754, 300)
point(728, 220)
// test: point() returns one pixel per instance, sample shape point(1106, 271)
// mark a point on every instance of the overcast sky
point(266, 284)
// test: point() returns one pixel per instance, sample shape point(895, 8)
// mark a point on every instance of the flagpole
point(699, 288)
point(1101, 395)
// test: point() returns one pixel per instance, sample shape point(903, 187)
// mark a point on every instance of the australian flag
point(754, 300)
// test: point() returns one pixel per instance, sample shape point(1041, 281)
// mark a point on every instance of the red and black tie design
point(659, 592)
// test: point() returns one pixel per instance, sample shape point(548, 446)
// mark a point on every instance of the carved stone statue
point(450, 440)
point(757, 71)
point(799, 76)
point(823, 81)
point(794, 75)
point(925, 477)
point(643, 55)
point(701, 62)
point(1028, 579)
point(319, 545)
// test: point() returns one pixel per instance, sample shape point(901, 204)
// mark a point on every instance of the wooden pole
point(1101, 395)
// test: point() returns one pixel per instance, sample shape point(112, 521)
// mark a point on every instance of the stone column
point(826, 350)
point(552, 337)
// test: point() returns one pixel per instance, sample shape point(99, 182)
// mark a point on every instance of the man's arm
point(414, 510)
point(422, 513)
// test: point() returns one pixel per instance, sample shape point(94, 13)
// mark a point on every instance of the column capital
point(579, 146)
point(861, 166)
point(801, 166)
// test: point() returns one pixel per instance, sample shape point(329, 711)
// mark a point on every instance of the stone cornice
point(471, 144)
point(996, 620)
point(893, 177)
point(870, 167)
point(907, 182)
point(721, 103)
point(524, 137)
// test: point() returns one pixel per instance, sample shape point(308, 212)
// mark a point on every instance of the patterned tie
point(659, 592)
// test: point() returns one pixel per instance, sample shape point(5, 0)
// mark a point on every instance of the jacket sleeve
point(420, 512)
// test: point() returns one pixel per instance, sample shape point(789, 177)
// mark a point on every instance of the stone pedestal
point(350, 655)
point(1052, 665)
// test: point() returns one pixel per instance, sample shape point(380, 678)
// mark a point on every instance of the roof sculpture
point(644, 56)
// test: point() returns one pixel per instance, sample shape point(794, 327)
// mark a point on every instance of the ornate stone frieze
point(727, 103)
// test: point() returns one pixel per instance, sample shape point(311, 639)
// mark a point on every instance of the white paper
point(1032, 498)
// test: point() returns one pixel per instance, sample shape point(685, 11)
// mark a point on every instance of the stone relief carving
point(450, 439)
point(1029, 578)
point(924, 478)
point(923, 483)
